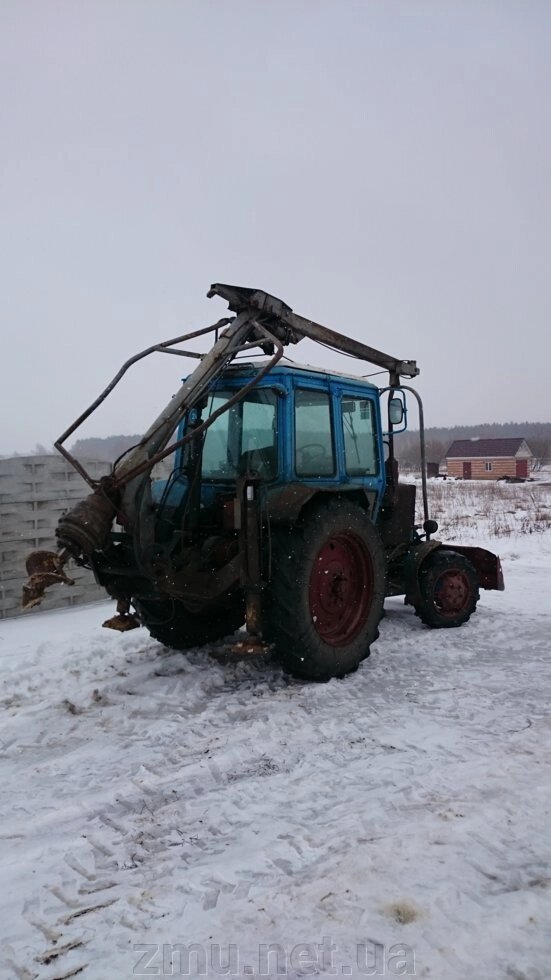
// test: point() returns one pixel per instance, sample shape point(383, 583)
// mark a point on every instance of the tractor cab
point(300, 429)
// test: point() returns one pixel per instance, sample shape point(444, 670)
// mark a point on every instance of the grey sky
point(382, 166)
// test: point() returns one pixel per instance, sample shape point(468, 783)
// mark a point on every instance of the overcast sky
point(383, 167)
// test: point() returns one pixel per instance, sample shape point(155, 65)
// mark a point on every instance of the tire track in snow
point(221, 791)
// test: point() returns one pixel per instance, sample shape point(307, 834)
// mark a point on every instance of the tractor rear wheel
point(172, 624)
point(448, 590)
point(326, 594)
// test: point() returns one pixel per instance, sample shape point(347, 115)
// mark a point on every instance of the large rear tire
point(448, 590)
point(172, 624)
point(326, 594)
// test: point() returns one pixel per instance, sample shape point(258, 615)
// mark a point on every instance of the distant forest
point(438, 439)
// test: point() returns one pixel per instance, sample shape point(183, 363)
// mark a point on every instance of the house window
point(488, 467)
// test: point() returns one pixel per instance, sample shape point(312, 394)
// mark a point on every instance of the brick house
point(488, 459)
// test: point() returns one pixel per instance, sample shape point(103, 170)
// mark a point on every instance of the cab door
point(315, 456)
point(360, 439)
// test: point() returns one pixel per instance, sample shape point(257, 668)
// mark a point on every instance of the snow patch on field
point(152, 798)
point(474, 510)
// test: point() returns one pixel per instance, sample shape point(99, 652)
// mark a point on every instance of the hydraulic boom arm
point(240, 298)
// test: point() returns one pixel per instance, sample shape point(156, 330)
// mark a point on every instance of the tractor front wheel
point(448, 590)
point(326, 593)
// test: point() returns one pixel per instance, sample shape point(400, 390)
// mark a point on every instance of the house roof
point(469, 448)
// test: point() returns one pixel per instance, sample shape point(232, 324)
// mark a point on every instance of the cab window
point(360, 436)
point(314, 450)
point(243, 439)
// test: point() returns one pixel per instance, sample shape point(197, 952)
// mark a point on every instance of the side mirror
point(396, 411)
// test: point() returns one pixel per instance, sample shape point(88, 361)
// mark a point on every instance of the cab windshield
point(243, 439)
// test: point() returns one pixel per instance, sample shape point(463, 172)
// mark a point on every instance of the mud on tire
point(326, 593)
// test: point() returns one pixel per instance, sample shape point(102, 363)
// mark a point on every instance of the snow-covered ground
point(401, 816)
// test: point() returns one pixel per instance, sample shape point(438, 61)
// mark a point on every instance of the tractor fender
point(415, 556)
point(286, 504)
point(486, 565)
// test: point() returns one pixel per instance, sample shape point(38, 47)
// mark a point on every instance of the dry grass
point(499, 509)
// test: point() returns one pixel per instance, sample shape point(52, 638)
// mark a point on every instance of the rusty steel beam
point(297, 327)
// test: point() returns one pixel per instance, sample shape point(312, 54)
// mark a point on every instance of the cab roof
point(286, 367)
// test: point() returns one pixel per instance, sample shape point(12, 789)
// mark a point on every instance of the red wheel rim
point(452, 591)
point(341, 589)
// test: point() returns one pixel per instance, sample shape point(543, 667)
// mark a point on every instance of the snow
point(151, 799)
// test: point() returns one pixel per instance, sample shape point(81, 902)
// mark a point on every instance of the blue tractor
point(283, 509)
